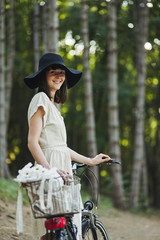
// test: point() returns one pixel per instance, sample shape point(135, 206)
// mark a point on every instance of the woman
point(47, 134)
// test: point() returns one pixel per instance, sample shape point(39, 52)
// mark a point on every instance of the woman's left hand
point(100, 158)
point(63, 174)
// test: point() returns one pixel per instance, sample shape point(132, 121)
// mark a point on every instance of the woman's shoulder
point(39, 99)
point(40, 96)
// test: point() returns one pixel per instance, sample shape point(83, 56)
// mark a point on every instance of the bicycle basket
point(48, 197)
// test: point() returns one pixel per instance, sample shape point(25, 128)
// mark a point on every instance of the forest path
point(121, 225)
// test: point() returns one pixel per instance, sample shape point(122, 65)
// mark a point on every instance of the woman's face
point(55, 78)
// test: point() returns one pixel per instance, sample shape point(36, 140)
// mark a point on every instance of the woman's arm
point(35, 128)
point(89, 161)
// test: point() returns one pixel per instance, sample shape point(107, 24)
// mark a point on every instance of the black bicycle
point(63, 228)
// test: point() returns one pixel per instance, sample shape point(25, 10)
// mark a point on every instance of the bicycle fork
point(88, 220)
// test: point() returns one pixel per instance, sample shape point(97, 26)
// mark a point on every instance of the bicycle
point(63, 228)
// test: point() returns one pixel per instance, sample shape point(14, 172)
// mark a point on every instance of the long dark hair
point(60, 95)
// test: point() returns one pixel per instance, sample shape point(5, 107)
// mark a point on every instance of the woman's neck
point(52, 95)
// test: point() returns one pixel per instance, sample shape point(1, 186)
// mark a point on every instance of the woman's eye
point(61, 73)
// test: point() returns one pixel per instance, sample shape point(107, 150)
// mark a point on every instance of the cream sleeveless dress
point(53, 142)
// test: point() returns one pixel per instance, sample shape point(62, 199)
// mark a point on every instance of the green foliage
point(9, 190)
point(74, 109)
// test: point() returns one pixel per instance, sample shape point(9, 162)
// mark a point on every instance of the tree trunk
point(91, 135)
point(10, 58)
point(4, 172)
point(113, 105)
point(45, 28)
point(36, 35)
point(144, 180)
point(53, 26)
point(154, 165)
point(141, 28)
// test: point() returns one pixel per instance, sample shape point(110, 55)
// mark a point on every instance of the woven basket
point(50, 198)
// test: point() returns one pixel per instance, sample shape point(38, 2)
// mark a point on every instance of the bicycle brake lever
point(112, 161)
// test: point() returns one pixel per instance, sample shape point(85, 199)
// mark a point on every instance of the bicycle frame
point(68, 231)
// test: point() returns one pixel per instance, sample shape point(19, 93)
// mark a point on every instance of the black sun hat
point(52, 59)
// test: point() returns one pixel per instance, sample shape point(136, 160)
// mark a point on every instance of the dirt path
point(120, 225)
point(127, 226)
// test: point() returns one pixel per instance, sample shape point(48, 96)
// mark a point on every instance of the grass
point(147, 212)
point(9, 190)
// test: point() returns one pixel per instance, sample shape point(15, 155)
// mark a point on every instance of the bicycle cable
point(90, 182)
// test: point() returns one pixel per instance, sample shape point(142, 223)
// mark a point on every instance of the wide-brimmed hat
point(52, 59)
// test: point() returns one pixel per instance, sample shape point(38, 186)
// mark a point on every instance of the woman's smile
point(58, 83)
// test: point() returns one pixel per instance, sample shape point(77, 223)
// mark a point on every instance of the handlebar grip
point(113, 161)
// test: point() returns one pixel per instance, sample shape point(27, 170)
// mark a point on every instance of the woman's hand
point(63, 174)
point(100, 158)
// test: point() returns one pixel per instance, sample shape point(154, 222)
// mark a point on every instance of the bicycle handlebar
point(80, 165)
point(112, 161)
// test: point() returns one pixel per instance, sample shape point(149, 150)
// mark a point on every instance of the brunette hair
point(60, 95)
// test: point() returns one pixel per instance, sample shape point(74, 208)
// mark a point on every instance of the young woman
point(47, 140)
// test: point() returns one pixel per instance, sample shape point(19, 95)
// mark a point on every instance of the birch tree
point(113, 104)
point(3, 148)
point(10, 58)
point(45, 27)
point(141, 31)
point(53, 26)
point(36, 35)
point(91, 135)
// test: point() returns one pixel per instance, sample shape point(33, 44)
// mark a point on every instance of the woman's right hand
point(100, 158)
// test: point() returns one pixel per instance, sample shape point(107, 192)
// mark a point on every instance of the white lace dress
point(53, 143)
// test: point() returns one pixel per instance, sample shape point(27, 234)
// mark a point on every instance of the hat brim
point(73, 76)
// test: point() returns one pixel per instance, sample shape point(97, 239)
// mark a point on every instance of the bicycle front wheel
point(100, 233)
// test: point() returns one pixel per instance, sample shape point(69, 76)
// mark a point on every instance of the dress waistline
point(54, 146)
